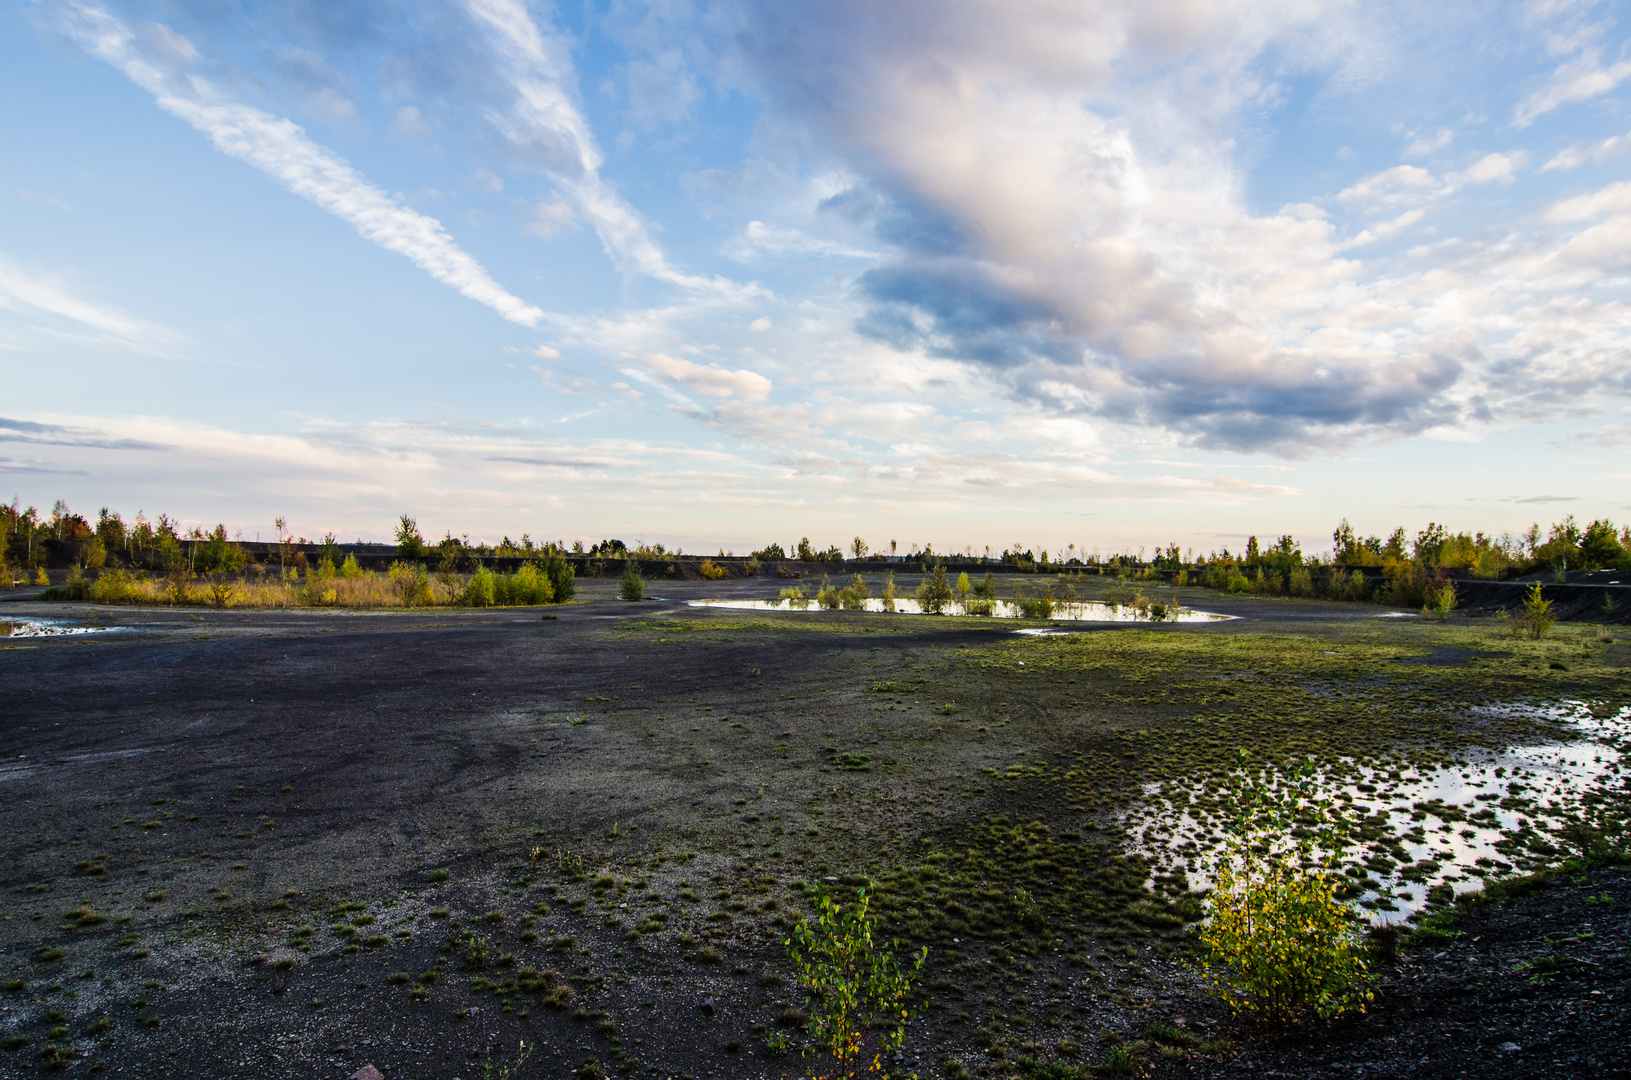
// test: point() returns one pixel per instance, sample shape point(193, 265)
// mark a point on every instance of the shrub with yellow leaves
point(1281, 947)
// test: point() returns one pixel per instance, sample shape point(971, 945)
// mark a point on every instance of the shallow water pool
point(1085, 611)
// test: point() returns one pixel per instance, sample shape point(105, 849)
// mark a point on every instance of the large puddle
point(1085, 611)
point(1487, 815)
point(36, 628)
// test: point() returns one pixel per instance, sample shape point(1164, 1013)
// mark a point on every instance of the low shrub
point(853, 597)
point(1281, 948)
point(934, 593)
point(712, 570)
point(632, 586)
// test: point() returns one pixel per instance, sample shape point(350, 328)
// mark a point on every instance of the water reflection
point(1080, 611)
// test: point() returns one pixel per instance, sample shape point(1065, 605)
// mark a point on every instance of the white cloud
point(1391, 185)
point(1059, 206)
point(410, 123)
point(1385, 229)
point(1428, 144)
point(26, 290)
point(544, 352)
point(757, 238)
point(1493, 168)
point(761, 323)
point(710, 380)
point(1580, 79)
point(281, 149)
point(548, 220)
point(1582, 152)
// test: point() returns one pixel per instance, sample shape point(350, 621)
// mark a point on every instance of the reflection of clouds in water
point(1488, 814)
point(1000, 609)
point(32, 628)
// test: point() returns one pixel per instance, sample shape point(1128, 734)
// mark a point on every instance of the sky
point(964, 273)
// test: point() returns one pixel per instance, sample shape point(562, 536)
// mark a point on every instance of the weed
point(505, 1071)
point(436, 877)
point(1120, 1061)
point(55, 1057)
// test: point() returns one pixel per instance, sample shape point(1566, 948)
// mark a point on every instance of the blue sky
point(1104, 274)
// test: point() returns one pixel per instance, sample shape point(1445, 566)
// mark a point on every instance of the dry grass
point(399, 588)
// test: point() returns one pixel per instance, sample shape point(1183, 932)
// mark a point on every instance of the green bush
point(853, 597)
point(562, 578)
point(632, 586)
point(828, 597)
point(935, 592)
point(482, 588)
point(528, 585)
point(1039, 606)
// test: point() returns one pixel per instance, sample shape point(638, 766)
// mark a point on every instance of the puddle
point(996, 609)
point(34, 628)
point(1490, 814)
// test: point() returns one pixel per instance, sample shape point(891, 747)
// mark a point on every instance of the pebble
point(1509, 1048)
point(367, 1072)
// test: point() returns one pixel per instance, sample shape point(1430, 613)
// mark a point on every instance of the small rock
point(367, 1072)
point(1509, 1048)
point(709, 1007)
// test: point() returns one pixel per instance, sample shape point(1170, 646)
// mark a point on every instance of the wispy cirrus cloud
point(158, 62)
point(544, 122)
point(1579, 79)
point(32, 291)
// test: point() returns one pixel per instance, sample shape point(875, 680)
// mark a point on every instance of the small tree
point(282, 526)
point(1537, 617)
point(409, 544)
point(1441, 599)
point(858, 546)
point(853, 984)
point(934, 593)
point(633, 586)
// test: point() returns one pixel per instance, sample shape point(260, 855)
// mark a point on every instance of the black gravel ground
point(179, 800)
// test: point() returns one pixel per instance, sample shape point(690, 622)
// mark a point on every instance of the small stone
point(709, 1007)
point(1509, 1048)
